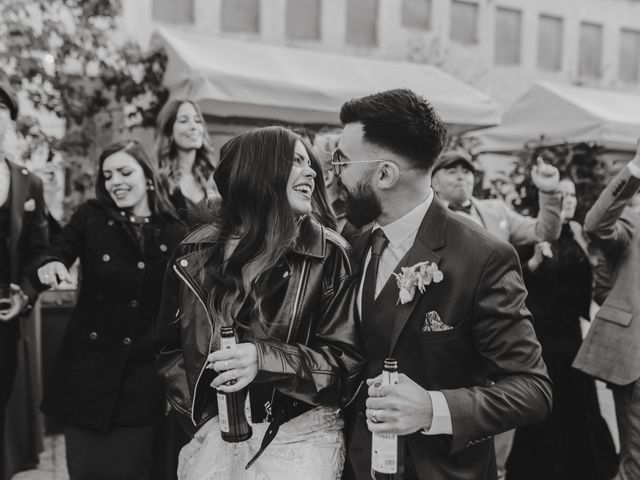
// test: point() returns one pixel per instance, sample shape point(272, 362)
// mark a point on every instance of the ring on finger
point(374, 419)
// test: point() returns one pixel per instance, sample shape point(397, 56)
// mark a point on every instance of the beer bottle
point(234, 409)
point(387, 451)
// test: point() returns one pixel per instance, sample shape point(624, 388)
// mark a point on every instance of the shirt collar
point(406, 226)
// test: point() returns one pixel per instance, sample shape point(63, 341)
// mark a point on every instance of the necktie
point(466, 208)
point(378, 243)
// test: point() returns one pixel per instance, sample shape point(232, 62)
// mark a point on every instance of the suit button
point(93, 335)
point(111, 223)
point(99, 297)
point(285, 274)
point(163, 247)
point(295, 404)
point(133, 304)
point(106, 257)
point(140, 265)
point(126, 341)
point(184, 263)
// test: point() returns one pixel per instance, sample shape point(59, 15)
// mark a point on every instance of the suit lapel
point(430, 238)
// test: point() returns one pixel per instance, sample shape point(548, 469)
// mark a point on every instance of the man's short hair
point(400, 121)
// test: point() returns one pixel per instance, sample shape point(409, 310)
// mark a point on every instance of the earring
point(150, 186)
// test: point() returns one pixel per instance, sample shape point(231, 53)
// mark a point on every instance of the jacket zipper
point(184, 278)
point(296, 301)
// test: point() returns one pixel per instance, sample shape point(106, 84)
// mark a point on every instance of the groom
point(469, 360)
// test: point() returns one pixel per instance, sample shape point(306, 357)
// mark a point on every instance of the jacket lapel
point(430, 238)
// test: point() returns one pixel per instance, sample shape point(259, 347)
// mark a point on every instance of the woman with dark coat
point(574, 443)
point(264, 265)
point(104, 388)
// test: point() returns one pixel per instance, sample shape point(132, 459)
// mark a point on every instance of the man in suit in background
point(453, 179)
point(23, 235)
point(611, 350)
point(469, 361)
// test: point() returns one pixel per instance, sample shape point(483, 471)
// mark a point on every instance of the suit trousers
point(627, 402)
point(122, 453)
point(8, 363)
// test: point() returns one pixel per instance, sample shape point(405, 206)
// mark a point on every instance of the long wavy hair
point(159, 203)
point(166, 149)
point(254, 214)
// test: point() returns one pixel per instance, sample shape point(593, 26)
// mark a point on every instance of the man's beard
point(362, 206)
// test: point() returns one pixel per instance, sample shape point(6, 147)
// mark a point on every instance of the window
point(362, 19)
point(416, 14)
point(464, 22)
point(550, 43)
point(241, 16)
point(303, 19)
point(508, 30)
point(629, 65)
point(590, 61)
point(170, 11)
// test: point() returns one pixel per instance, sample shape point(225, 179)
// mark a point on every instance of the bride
point(264, 265)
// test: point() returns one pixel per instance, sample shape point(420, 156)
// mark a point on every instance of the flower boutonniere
point(420, 275)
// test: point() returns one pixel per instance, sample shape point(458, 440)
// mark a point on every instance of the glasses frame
point(337, 166)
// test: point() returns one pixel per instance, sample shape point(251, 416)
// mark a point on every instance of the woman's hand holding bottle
point(53, 274)
point(239, 363)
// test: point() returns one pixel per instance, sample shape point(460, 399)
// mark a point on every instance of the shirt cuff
point(634, 169)
point(441, 421)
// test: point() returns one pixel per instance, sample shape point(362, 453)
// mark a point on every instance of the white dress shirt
point(5, 178)
point(401, 235)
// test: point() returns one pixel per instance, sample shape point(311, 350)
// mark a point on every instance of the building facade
point(499, 46)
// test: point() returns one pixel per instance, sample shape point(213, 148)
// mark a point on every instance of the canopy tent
point(559, 113)
point(247, 79)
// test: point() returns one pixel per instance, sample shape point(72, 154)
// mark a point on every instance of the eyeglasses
point(337, 165)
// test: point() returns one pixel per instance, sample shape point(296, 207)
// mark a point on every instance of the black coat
point(104, 375)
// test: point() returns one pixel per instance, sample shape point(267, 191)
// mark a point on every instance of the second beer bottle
point(234, 410)
point(387, 450)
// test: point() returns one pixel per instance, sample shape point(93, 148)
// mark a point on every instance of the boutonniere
point(418, 276)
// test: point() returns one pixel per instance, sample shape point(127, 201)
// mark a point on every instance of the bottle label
point(384, 453)
point(223, 413)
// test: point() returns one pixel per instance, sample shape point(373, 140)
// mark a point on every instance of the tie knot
point(378, 242)
point(466, 208)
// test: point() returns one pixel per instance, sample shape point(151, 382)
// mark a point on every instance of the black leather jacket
point(310, 353)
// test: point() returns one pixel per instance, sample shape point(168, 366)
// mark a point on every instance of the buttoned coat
point(517, 229)
point(611, 349)
point(104, 375)
point(485, 360)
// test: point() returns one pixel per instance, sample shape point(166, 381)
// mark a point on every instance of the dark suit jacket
point(610, 351)
point(29, 228)
point(487, 365)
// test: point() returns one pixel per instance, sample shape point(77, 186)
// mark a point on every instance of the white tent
point(247, 79)
point(564, 113)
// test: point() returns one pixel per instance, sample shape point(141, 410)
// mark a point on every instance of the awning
point(564, 113)
point(247, 79)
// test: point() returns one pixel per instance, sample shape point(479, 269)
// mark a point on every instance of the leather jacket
point(309, 349)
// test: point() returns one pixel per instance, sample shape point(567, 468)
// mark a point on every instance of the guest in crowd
point(185, 158)
point(453, 180)
point(264, 265)
point(610, 350)
point(104, 387)
point(575, 441)
point(23, 235)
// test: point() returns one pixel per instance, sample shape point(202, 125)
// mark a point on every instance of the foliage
point(67, 55)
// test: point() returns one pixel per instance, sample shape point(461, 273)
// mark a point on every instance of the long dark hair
point(167, 151)
point(254, 212)
point(159, 203)
point(322, 209)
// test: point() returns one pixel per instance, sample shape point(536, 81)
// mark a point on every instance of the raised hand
point(545, 177)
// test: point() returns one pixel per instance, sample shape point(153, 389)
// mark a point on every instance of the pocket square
point(30, 205)
point(432, 323)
